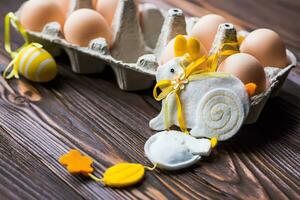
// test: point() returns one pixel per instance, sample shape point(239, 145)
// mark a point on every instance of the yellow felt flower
point(76, 163)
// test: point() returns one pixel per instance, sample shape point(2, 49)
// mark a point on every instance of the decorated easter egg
point(267, 46)
point(206, 28)
point(107, 8)
point(169, 51)
point(84, 25)
point(35, 14)
point(247, 68)
point(36, 64)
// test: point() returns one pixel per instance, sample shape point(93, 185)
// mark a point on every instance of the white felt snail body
point(173, 150)
point(214, 105)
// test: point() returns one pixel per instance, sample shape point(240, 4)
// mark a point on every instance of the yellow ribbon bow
point(175, 86)
point(11, 18)
point(212, 61)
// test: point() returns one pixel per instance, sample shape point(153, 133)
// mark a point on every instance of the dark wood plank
point(25, 177)
point(39, 122)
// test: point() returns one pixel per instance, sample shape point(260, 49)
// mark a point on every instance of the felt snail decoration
point(211, 104)
point(203, 103)
point(215, 106)
point(206, 105)
point(31, 60)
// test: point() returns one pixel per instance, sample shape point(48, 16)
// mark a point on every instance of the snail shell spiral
point(221, 114)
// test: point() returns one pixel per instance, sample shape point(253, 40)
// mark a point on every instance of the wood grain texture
point(40, 122)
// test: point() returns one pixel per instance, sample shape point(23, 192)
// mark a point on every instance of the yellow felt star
point(76, 163)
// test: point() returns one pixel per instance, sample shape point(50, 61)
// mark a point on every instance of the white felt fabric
point(191, 97)
point(220, 113)
point(174, 150)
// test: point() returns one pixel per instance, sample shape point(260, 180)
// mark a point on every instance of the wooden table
point(40, 122)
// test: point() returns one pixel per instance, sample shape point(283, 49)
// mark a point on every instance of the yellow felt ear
point(193, 48)
point(180, 46)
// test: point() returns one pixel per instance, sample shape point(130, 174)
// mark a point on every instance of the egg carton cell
point(138, 42)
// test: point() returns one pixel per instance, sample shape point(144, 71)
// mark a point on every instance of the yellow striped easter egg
point(36, 64)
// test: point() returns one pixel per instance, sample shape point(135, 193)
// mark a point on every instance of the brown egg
point(168, 52)
point(84, 25)
point(36, 14)
point(266, 46)
point(247, 68)
point(107, 8)
point(206, 28)
point(94, 4)
point(64, 5)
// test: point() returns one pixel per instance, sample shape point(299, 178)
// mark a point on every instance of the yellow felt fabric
point(180, 46)
point(214, 142)
point(193, 48)
point(76, 163)
point(123, 174)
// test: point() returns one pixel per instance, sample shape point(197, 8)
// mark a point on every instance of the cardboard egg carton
point(131, 56)
point(137, 47)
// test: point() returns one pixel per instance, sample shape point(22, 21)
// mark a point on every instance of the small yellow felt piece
point(250, 88)
point(180, 46)
point(240, 39)
point(123, 174)
point(76, 163)
point(213, 142)
point(193, 48)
